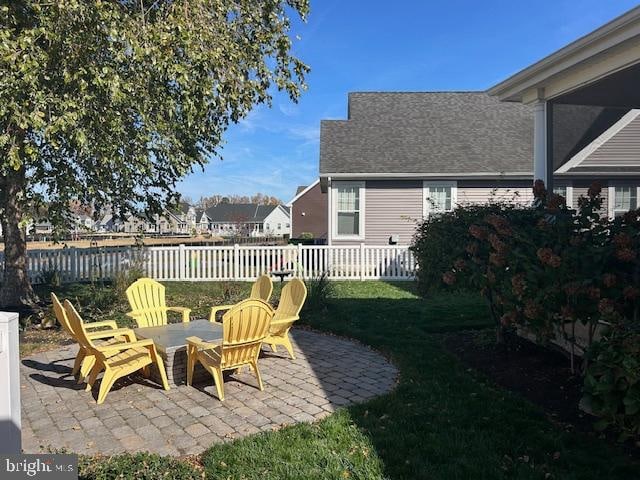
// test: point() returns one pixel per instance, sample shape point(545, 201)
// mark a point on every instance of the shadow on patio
point(329, 372)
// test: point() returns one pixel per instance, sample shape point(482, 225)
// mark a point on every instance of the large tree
point(110, 102)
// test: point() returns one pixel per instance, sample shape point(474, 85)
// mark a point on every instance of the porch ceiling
point(617, 90)
point(597, 69)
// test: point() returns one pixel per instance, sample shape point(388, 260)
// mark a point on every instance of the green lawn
point(442, 422)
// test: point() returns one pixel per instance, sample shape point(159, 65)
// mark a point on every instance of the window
point(562, 191)
point(565, 191)
point(439, 197)
point(279, 226)
point(625, 199)
point(348, 207)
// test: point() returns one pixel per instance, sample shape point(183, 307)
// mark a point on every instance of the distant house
point(309, 212)
point(277, 223)
point(400, 157)
point(248, 220)
point(82, 223)
point(202, 221)
point(137, 225)
point(182, 218)
point(41, 227)
point(107, 223)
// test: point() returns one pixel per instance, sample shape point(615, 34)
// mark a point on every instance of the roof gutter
point(418, 176)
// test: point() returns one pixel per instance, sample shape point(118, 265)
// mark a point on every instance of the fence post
point(73, 254)
point(10, 420)
point(182, 262)
point(362, 262)
point(300, 264)
point(236, 262)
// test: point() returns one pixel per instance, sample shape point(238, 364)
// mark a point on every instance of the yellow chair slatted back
point(244, 327)
point(77, 326)
point(147, 300)
point(262, 288)
point(292, 298)
point(61, 315)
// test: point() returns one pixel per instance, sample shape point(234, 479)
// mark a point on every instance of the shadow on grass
point(445, 421)
point(442, 421)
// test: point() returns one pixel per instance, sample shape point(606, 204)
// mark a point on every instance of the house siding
point(620, 150)
point(313, 205)
point(479, 192)
point(392, 208)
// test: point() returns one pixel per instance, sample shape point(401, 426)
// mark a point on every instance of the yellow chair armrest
point(127, 345)
point(184, 310)
point(282, 321)
point(201, 344)
point(126, 332)
point(215, 310)
point(105, 323)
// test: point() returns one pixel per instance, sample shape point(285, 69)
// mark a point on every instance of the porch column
point(540, 141)
point(543, 143)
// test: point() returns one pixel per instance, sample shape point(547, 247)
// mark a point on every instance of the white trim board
point(607, 135)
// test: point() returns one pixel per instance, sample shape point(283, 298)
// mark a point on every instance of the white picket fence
point(241, 263)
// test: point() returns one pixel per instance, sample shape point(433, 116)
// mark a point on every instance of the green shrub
point(51, 277)
point(612, 383)
point(140, 466)
point(319, 290)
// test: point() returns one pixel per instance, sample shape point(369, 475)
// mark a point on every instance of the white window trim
point(334, 208)
point(611, 200)
point(426, 185)
point(569, 198)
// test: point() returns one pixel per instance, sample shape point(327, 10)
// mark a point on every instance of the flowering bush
point(546, 269)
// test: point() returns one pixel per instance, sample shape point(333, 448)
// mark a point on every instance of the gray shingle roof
point(432, 132)
point(239, 212)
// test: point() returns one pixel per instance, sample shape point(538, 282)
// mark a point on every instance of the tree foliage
point(110, 102)
point(258, 198)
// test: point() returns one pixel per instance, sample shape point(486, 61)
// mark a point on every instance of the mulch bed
point(541, 375)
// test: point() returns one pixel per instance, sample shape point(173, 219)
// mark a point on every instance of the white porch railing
point(214, 263)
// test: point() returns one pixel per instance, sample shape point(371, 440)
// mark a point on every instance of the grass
point(442, 422)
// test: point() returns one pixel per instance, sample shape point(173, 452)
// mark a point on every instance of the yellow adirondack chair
point(116, 360)
point(84, 360)
point(244, 328)
point(292, 298)
point(261, 289)
point(148, 305)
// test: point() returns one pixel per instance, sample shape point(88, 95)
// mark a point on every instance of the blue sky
point(366, 45)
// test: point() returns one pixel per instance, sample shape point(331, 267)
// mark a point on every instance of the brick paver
point(329, 372)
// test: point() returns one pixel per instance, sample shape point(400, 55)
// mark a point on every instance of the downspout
point(329, 215)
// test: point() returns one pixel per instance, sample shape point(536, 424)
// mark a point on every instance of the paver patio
point(329, 372)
